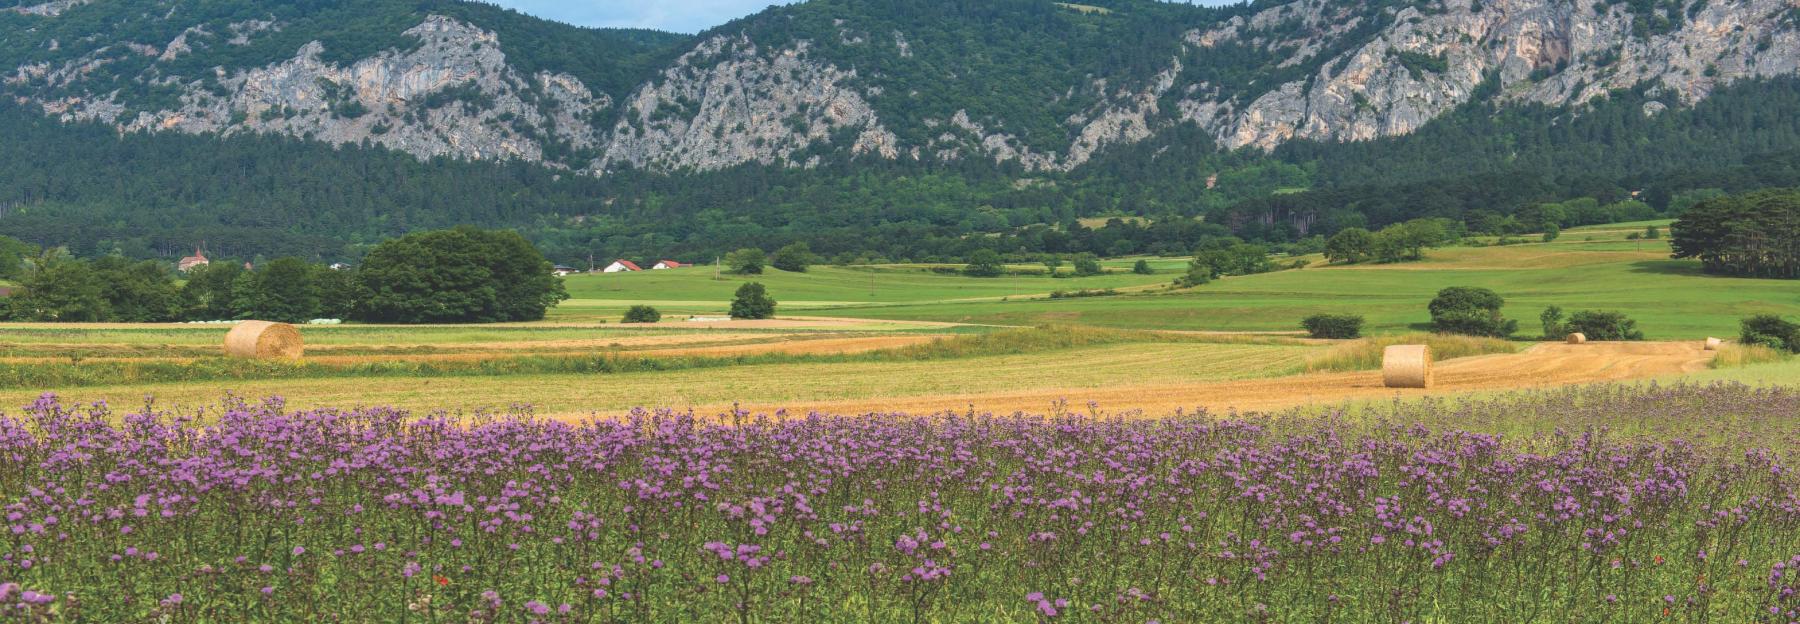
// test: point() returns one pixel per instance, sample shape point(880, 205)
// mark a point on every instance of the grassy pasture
point(1670, 299)
point(694, 290)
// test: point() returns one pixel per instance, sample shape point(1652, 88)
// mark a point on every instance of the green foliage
point(1552, 320)
point(752, 302)
point(984, 263)
point(794, 258)
point(1333, 325)
point(279, 290)
point(746, 261)
point(207, 295)
point(1552, 231)
point(1418, 63)
point(1604, 325)
point(1771, 331)
point(1142, 267)
point(1755, 234)
point(462, 275)
point(1471, 312)
point(1086, 265)
point(14, 256)
point(1350, 246)
point(641, 314)
point(56, 287)
point(1651, 232)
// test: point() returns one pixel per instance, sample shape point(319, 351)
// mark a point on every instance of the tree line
point(462, 275)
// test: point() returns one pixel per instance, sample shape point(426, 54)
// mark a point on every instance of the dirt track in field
point(1548, 364)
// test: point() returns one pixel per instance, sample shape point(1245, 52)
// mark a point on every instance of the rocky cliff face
point(1339, 71)
point(1554, 52)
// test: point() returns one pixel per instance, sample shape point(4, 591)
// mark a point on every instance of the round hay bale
point(263, 340)
point(1578, 338)
point(1713, 344)
point(1406, 366)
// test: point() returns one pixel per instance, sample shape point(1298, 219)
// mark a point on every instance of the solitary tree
point(1142, 268)
point(1086, 264)
point(1471, 311)
point(1350, 246)
point(752, 302)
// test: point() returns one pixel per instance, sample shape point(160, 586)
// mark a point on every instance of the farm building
point(563, 271)
point(666, 264)
point(189, 263)
point(620, 266)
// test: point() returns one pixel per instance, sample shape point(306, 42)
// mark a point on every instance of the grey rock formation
point(731, 100)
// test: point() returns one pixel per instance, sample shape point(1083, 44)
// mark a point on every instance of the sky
point(683, 16)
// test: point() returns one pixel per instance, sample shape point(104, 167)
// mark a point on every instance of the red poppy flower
point(441, 581)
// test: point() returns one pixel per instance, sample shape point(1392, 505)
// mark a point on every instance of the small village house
point(191, 262)
point(620, 266)
point(563, 271)
point(666, 264)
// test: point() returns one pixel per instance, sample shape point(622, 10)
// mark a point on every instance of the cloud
point(683, 16)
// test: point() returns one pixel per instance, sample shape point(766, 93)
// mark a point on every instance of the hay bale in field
point(263, 340)
point(1713, 344)
point(1406, 366)
point(1578, 338)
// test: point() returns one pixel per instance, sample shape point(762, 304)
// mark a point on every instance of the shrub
point(1333, 325)
point(1603, 325)
point(752, 302)
point(1142, 267)
point(641, 314)
point(1770, 331)
point(1551, 232)
point(1471, 312)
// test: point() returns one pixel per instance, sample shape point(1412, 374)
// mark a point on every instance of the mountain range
point(1199, 109)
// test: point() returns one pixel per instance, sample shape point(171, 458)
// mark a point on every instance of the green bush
point(1333, 325)
point(1552, 318)
point(1603, 325)
point(1142, 267)
point(984, 263)
point(1471, 312)
point(793, 258)
point(746, 261)
point(1770, 331)
point(752, 302)
point(641, 314)
point(1086, 265)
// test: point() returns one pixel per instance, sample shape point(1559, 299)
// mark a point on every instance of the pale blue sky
point(684, 16)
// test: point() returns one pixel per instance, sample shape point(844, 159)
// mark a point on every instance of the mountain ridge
point(841, 79)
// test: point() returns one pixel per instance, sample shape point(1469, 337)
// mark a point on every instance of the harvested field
point(1548, 364)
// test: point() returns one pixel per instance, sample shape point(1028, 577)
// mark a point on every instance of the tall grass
point(1733, 355)
point(1365, 354)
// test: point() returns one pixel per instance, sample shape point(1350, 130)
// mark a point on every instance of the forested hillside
point(917, 129)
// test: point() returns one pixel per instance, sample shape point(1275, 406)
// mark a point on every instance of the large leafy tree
point(463, 275)
point(1471, 311)
point(207, 294)
point(137, 292)
point(57, 287)
point(280, 290)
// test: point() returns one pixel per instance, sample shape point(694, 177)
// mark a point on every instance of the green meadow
point(1587, 268)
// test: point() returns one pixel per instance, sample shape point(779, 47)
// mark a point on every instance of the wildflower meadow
point(1605, 504)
